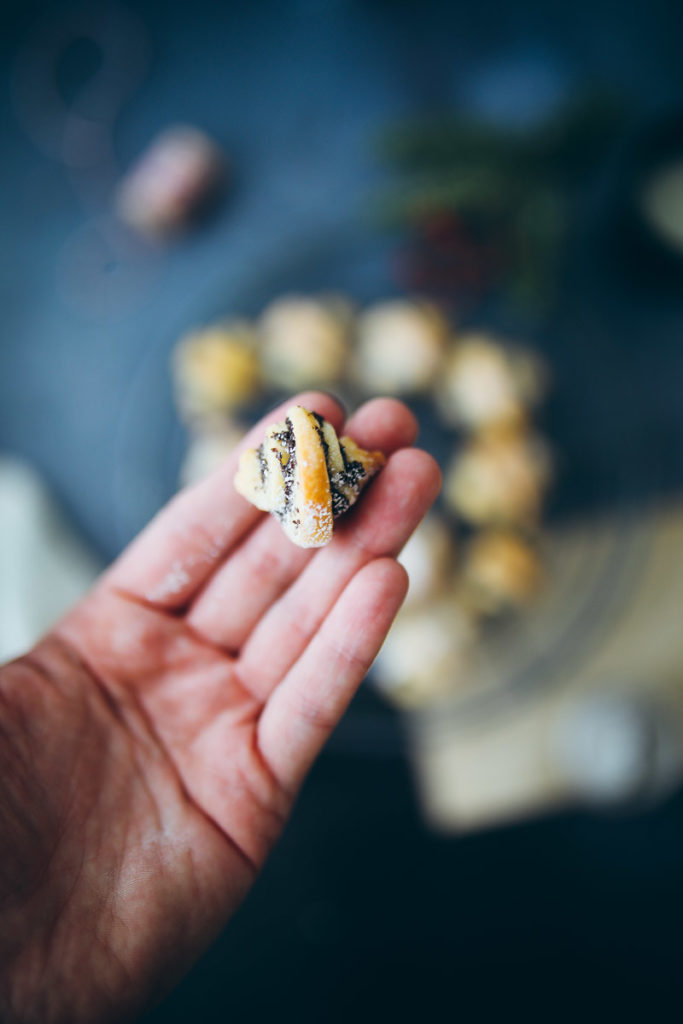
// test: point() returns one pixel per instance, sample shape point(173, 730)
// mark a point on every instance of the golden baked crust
point(305, 475)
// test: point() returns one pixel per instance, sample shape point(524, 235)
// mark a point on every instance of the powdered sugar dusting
point(174, 582)
point(285, 485)
point(316, 526)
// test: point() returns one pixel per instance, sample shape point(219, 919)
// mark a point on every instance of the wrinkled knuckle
point(266, 566)
point(369, 542)
point(313, 713)
point(354, 659)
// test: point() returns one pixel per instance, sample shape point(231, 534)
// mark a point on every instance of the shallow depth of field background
point(363, 912)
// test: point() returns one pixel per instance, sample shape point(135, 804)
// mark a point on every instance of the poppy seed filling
point(350, 476)
point(287, 461)
point(305, 475)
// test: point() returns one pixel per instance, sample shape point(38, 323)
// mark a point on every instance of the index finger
point(175, 555)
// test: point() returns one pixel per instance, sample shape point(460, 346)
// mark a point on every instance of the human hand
point(152, 745)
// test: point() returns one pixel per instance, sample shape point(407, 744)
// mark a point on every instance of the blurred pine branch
point(499, 190)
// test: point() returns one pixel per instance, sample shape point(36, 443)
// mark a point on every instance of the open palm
point(153, 744)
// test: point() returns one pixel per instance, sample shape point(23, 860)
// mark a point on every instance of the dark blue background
point(361, 914)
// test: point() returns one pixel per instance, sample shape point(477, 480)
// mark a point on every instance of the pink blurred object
point(174, 180)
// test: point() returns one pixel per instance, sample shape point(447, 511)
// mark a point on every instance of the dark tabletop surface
point(361, 913)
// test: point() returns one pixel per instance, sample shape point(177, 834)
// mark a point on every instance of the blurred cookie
point(216, 370)
point(305, 342)
point(501, 571)
point(484, 384)
point(499, 478)
point(426, 654)
point(428, 559)
point(400, 346)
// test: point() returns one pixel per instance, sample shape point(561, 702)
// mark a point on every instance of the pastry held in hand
point(305, 475)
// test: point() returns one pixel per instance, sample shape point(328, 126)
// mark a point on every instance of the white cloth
point(44, 566)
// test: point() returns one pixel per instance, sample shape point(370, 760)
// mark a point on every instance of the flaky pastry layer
point(305, 475)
